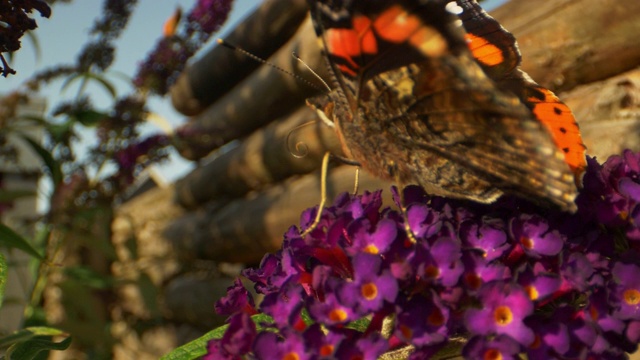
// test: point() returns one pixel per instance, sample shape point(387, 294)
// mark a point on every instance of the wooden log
point(266, 157)
point(244, 230)
point(265, 95)
point(609, 114)
point(566, 43)
point(213, 75)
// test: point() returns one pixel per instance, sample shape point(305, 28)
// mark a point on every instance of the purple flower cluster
point(208, 15)
point(134, 156)
point(167, 60)
point(538, 282)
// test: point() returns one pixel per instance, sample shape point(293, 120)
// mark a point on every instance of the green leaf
point(85, 77)
point(106, 84)
point(29, 349)
point(10, 195)
point(60, 132)
point(89, 277)
point(3, 276)
point(29, 333)
point(88, 118)
point(198, 347)
point(12, 239)
point(360, 324)
point(54, 167)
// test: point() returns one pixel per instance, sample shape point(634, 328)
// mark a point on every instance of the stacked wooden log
point(252, 181)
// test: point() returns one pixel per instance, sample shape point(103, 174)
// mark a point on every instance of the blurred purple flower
point(209, 15)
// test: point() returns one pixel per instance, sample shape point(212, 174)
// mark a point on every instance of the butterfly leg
point(393, 169)
point(323, 194)
point(356, 182)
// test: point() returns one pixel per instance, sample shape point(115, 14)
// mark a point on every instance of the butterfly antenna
point(263, 61)
point(312, 71)
point(300, 149)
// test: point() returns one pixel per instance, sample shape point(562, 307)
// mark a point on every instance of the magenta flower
point(290, 346)
point(626, 291)
point(238, 299)
point(237, 340)
point(501, 347)
point(423, 321)
point(504, 308)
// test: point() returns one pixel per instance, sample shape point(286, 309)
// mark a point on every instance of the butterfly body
point(415, 102)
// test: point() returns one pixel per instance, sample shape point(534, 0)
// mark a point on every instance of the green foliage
point(3, 276)
point(84, 79)
point(28, 350)
point(11, 239)
point(27, 343)
point(52, 165)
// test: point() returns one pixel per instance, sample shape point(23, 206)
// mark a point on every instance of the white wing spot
point(453, 8)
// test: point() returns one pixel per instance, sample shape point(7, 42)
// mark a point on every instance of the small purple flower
point(626, 291)
point(504, 308)
point(423, 321)
point(538, 284)
point(238, 299)
point(600, 313)
point(324, 345)
point(575, 273)
point(479, 271)
point(261, 276)
point(236, 341)
point(441, 262)
point(632, 332)
point(369, 347)
point(533, 234)
point(290, 345)
point(331, 311)
point(285, 305)
point(423, 221)
point(490, 238)
point(369, 239)
point(501, 347)
point(370, 287)
point(551, 338)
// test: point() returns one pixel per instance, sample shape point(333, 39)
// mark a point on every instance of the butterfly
point(430, 92)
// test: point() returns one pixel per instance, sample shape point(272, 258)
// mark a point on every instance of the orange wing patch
point(484, 51)
point(559, 120)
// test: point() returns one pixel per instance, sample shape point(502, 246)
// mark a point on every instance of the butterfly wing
point(496, 50)
point(415, 104)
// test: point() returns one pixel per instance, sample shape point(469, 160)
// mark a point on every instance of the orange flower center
point(532, 292)
point(503, 315)
point(369, 291)
point(291, 356)
point(492, 354)
point(526, 242)
point(371, 249)
point(338, 315)
point(326, 350)
point(631, 296)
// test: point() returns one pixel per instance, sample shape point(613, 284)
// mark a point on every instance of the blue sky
point(62, 36)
